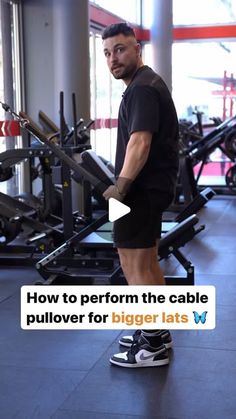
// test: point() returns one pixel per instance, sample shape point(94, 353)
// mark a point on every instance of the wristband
point(119, 192)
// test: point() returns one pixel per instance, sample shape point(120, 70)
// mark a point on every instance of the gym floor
point(66, 374)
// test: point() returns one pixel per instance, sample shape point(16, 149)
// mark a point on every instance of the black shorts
point(141, 227)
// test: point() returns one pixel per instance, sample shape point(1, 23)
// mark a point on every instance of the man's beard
point(123, 73)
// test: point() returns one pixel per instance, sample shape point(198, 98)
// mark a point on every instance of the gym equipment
point(230, 178)
point(32, 213)
point(200, 151)
point(191, 132)
point(108, 164)
point(76, 167)
point(5, 174)
point(15, 210)
point(196, 204)
point(9, 230)
point(71, 136)
point(66, 170)
point(54, 201)
point(230, 143)
point(54, 266)
point(223, 137)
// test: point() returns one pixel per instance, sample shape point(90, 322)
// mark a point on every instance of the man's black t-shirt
point(147, 106)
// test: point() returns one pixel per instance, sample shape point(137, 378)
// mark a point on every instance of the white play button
point(116, 209)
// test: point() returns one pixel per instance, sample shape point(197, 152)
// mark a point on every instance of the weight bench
point(87, 240)
point(170, 244)
point(196, 204)
point(172, 241)
point(94, 165)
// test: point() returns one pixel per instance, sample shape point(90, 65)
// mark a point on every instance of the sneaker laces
point(134, 348)
point(136, 335)
point(136, 345)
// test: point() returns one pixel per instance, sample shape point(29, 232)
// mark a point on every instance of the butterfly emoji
point(200, 317)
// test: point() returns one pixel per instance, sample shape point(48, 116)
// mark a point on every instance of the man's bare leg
point(141, 266)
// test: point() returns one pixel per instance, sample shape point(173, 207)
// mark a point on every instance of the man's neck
point(128, 80)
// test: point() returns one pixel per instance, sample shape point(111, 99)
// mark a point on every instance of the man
point(146, 169)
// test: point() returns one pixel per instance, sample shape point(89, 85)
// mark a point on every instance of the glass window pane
point(103, 105)
point(192, 12)
point(106, 94)
point(214, 171)
point(147, 54)
point(147, 13)
point(130, 12)
point(198, 76)
point(198, 81)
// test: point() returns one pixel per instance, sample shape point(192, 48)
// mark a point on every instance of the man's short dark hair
point(117, 29)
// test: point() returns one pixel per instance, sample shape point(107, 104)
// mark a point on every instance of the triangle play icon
point(116, 209)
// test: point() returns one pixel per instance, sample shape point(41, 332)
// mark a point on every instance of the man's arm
point(136, 155)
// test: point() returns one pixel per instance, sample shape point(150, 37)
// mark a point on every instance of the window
point(147, 54)
point(202, 12)
point(198, 74)
point(198, 81)
point(106, 94)
point(204, 74)
point(130, 12)
point(147, 13)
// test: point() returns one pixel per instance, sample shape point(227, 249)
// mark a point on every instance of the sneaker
point(141, 354)
point(128, 341)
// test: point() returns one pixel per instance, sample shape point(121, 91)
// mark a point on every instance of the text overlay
point(117, 307)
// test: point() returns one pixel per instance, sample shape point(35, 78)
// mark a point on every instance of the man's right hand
point(113, 192)
point(119, 190)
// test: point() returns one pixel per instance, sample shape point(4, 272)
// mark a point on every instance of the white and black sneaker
point(141, 354)
point(128, 341)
